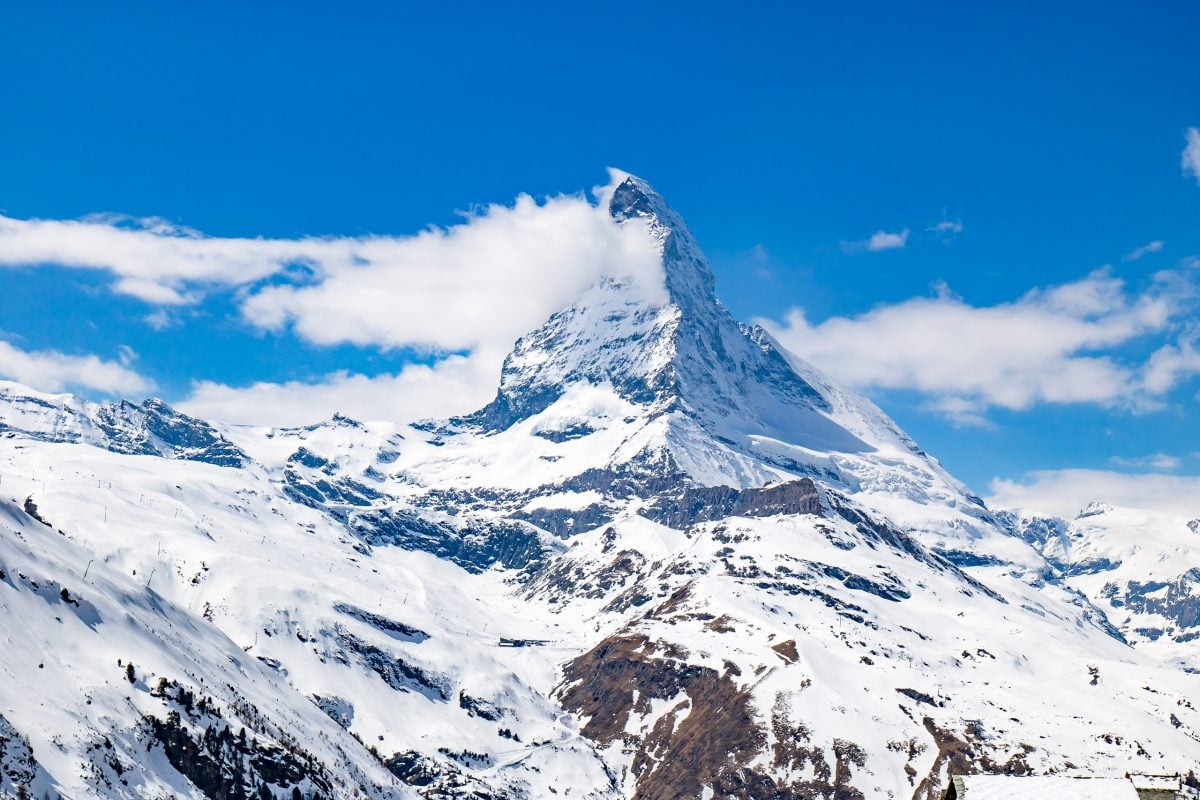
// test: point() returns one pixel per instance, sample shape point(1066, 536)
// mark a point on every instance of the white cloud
point(882, 240)
point(1146, 249)
point(1190, 161)
point(159, 320)
point(473, 287)
point(454, 385)
point(52, 371)
point(482, 282)
point(1170, 364)
point(878, 242)
point(1063, 493)
point(963, 411)
point(946, 226)
point(126, 355)
point(1161, 462)
point(1049, 346)
point(150, 259)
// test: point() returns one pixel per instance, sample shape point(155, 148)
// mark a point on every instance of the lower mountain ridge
point(670, 560)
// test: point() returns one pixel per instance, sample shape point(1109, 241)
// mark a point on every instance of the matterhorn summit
point(722, 400)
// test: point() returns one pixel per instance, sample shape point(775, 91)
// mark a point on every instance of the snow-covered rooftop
point(1159, 782)
point(1008, 787)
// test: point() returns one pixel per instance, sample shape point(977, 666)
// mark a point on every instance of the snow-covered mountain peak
point(624, 389)
point(686, 359)
point(1095, 508)
point(689, 279)
point(151, 428)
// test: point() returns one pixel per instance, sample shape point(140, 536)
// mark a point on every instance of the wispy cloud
point(1190, 161)
point(882, 240)
point(1064, 493)
point(947, 226)
point(454, 385)
point(159, 320)
point(1146, 249)
point(1171, 363)
point(878, 242)
point(1052, 345)
point(1161, 462)
point(757, 261)
point(52, 371)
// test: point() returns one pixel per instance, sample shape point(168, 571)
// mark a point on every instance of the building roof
point(1060, 787)
point(1151, 781)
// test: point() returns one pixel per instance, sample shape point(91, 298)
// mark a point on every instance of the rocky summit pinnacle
point(688, 276)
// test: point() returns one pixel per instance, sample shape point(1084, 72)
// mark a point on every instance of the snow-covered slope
point(390, 643)
point(669, 560)
point(113, 690)
point(1139, 565)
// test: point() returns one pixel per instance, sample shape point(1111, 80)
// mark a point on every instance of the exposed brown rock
point(673, 603)
point(706, 740)
point(787, 651)
point(691, 505)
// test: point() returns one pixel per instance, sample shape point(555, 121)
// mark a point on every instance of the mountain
point(1138, 564)
point(153, 428)
point(668, 560)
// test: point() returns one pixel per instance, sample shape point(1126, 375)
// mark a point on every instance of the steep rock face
point(154, 428)
point(688, 506)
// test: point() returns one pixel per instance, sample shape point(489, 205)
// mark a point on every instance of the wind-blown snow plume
point(485, 280)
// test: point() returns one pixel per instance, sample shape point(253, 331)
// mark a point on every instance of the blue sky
point(1047, 144)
